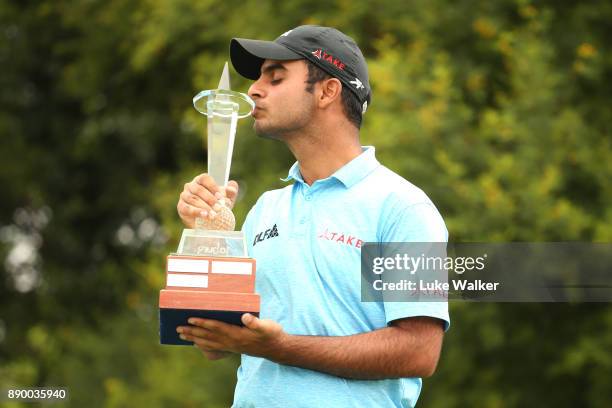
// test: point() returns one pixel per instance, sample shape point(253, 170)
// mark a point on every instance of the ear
point(331, 90)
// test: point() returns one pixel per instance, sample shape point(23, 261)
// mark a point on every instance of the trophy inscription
point(210, 275)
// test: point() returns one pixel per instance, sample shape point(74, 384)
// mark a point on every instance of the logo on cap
point(357, 83)
point(322, 55)
point(286, 33)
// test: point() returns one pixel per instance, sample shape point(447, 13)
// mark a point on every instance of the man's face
point(282, 103)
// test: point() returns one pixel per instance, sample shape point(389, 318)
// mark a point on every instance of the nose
point(255, 90)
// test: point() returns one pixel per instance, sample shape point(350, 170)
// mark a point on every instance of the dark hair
point(350, 103)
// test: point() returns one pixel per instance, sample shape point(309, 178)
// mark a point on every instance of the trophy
point(211, 275)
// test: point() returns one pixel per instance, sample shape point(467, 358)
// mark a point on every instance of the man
point(316, 344)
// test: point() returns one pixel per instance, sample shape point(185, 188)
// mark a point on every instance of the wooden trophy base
point(208, 287)
point(177, 306)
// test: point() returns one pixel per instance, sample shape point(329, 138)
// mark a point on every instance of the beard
point(290, 123)
point(272, 132)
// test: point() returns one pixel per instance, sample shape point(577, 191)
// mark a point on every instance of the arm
point(410, 347)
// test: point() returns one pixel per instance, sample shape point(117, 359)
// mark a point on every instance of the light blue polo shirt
point(306, 240)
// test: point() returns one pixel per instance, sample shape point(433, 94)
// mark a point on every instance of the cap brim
point(247, 56)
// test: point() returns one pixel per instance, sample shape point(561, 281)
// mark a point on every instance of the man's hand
point(258, 337)
point(200, 198)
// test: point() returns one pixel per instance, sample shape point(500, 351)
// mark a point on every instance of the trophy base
point(177, 306)
point(170, 319)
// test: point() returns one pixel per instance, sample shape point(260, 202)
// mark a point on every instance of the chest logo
point(269, 233)
point(341, 238)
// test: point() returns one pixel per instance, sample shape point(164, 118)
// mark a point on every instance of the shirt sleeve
point(421, 223)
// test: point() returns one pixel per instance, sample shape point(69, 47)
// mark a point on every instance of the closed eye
point(276, 81)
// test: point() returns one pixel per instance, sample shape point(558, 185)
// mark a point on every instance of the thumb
point(267, 327)
point(231, 191)
point(251, 322)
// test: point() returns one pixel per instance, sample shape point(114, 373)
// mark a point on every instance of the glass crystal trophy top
point(222, 108)
point(210, 275)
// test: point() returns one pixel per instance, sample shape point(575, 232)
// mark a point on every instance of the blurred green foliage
point(499, 110)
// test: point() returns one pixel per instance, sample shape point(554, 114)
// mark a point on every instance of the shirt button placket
point(299, 226)
point(303, 218)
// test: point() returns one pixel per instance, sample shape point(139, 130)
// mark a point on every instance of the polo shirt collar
point(349, 174)
point(294, 173)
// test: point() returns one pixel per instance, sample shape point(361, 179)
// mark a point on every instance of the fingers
point(206, 181)
point(210, 325)
point(199, 193)
point(203, 344)
point(200, 199)
point(203, 338)
point(196, 332)
point(208, 329)
point(193, 200)
point(202, 192)
point(189, 213)
point(231, 192)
